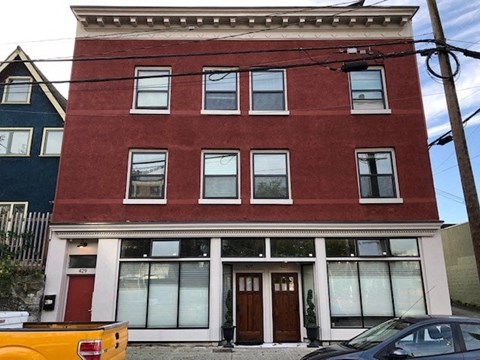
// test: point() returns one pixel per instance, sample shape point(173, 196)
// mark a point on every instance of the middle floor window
point(270, 176)
point(147, 171)
point(220, 178)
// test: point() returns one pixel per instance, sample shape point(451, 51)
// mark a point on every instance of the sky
point(46, 30)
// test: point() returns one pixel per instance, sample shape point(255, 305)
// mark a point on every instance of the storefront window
point(243, 247)
point(142, 248)
point(293, 247)
point(400, 247)
point(365, 293)
point(177, 294)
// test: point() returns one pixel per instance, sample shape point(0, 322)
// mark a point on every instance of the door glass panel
point(284, 283)
point(256, 284)
point(241, 283)
point(249, 283)
point(291, 284)
point(428, 341)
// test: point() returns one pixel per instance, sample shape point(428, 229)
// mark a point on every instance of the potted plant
point(228, 328)
point(311, 321)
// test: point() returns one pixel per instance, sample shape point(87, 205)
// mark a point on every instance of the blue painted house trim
point(30, 178)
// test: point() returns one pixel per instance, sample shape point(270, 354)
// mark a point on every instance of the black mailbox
point(49, 302)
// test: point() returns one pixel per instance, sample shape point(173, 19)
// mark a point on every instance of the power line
point(242, 69)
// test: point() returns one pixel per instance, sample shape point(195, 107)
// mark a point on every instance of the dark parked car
point(425, 337)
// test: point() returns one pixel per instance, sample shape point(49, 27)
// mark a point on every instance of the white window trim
point(201, 200)
point(269, 112)
point(127, 200)
point(29, 145)
point(6, 88)
point(254, 201)
point(44, 142)
point(220, 112)
point(394, 200)
point(134, 110)
point(385, 111)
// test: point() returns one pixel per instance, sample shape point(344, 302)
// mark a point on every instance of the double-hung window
point(270, 180)
point(52, 141)
point(268, 93)
point(220, 180)
point(15, 141)
point(376, 176)
point(152, 91)
point(368, 92)
point(146, 180)
point(18, 90)
point(220, 91)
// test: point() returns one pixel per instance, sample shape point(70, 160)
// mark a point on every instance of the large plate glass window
point(367, 90)
point(376, 174)
point(220, 89)
point(220, 175)
point(152, 89)
point(270, 175)
point(147, 175)
point(18, 90)
point(15, 142)
point(268, 90)
point(366, 291)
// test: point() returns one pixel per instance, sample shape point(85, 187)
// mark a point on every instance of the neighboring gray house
point(462, 274)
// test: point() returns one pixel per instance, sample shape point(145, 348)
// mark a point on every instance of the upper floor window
point(18, 90)
point(220, 91)
point(15, 141)
point(270, 182)
point(152, 90)
point(376, 176)
point(52, 141)
point(146, 180)
point(220, 181)
point(367, 90)
point(268, 92)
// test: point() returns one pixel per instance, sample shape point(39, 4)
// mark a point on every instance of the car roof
point(451, 318)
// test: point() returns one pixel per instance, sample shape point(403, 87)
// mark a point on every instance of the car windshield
point(377, 334)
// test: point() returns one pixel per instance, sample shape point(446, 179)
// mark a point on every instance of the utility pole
point(461, 150)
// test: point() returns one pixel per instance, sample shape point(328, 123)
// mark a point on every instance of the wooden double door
point(249, 309)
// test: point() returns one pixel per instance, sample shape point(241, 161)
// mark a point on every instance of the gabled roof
point(58, 100)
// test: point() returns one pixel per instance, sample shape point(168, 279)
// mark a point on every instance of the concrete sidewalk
point(213, 352)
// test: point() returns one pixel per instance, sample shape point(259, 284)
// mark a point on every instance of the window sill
point(220, 201)
point(49, 155)
point(371, 112)
point(271, 201)
point(220, 112)
point(269, 112)
point(145, 201)
point(150, 111)
point(382, 201)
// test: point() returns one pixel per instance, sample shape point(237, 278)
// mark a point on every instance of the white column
point(55, 277)
point(216, 284)
point(106, 280)
point(321, 286)
point(435, 275)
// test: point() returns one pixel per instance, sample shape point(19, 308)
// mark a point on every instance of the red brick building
point(208, 149)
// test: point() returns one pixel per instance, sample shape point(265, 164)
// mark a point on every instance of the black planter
point(312, 334)
point(228, 332)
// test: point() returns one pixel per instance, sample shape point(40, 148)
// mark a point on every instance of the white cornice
point(161, 230)
point(244, 23)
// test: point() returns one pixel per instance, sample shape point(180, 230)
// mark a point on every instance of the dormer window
point(18, 90)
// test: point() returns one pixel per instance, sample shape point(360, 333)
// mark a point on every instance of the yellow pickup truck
point(65, 341)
